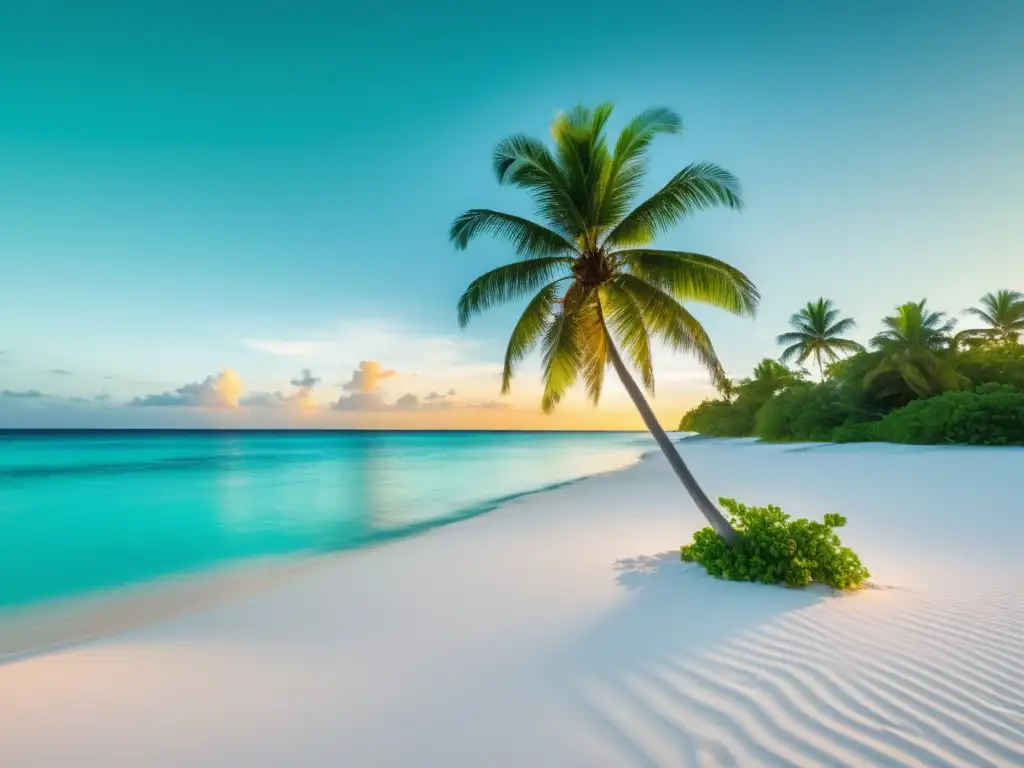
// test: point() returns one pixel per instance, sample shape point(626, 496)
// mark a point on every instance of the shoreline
point(66, 621)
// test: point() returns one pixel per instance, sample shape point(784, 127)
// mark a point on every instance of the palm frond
point(694, 277)
point(628, 164)
point(528, 330)
point(793, 337)
point(798, 352)
point(508, 283)
point(695, 188)
point(626, 322)
point(669, 321)
point(583, 157)
point(595, 342)
point(563, 352)
point(845, 345)
point(526, 163)
point(984, 316)
point(527, 237)
point(843, 326)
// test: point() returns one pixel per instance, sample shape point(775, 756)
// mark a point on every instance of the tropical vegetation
point(818, 333)
point(599, 293)
point(772, 548)
point(916, 381)
point(1002, 314)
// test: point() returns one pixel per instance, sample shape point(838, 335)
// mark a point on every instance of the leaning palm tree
point(912, 347)
point(601, 294)
point(1002, 313)
point(817, 332)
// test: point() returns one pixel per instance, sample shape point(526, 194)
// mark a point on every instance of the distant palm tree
point(1003, 313)
point(770, 371)
point(912, 345)
point(596, 282)
point(770, 376)
point(726, 387)
point(817, 332)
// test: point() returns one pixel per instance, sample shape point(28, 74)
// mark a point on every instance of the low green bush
point(856, 432)
point(773, 549)
point(993, 364)
point(806, 413)
point(993, 414)
point(717, 418)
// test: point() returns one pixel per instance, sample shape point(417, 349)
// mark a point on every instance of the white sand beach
point(562, 630)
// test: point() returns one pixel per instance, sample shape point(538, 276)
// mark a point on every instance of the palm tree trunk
point(709, 510)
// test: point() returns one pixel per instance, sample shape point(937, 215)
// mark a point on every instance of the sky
point(237, 217)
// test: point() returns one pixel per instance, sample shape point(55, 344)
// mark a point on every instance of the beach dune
point(563, 630)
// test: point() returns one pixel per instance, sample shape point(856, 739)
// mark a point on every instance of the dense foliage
point(993, 414)
point(918, 384)
point(999, 364)
point(772, 548)
point(807, 413)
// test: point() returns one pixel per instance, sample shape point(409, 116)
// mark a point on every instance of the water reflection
point(234, 496)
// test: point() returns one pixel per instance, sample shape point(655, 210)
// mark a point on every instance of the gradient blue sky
point(188, 188)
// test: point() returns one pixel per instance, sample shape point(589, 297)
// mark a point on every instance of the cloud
point(305, 380)
point(361, 401)
point(364, 386)
point(408, 402)
point(435, 396)
point(34, 399)
point(366, 395)
point(60, 372)
point(264, 400)
point(27, 394)
point(283, 347)
point(491, 405)
point(221, 391)
point(302, 398)
point(366, 378)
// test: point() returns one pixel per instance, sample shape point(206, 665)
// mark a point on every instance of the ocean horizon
point(84, 510)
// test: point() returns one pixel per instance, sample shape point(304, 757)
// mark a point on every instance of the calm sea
point(86, 511)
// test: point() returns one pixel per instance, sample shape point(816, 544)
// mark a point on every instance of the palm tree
point(770, 376)
point(726, 387)
point(912, 345)
point(1002, 312)
point(597, 285)
point(817, 332)
point(773, 373)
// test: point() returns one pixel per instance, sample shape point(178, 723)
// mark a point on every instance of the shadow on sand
point(673, 608)
point(645, 673)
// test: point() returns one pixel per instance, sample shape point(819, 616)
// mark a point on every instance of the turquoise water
point(85, 511)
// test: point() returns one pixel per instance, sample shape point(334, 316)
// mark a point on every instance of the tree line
point(917, 380)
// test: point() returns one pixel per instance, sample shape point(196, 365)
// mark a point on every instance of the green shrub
point(993, 363)
point(886, 393)
point(807, 412)
point(773, 549)
point(993, 414)
point(856, 432)
point(718, 418)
